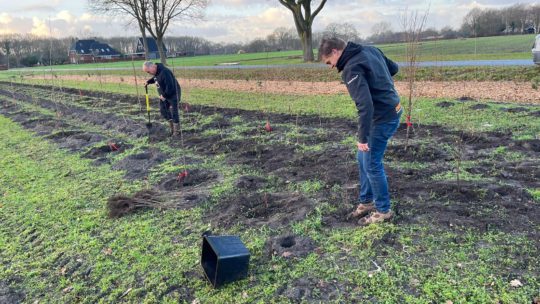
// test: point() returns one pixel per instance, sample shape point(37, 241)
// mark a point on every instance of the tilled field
point(501, 91)
point(302, 166)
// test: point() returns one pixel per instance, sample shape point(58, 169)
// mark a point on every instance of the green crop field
point(485, 48)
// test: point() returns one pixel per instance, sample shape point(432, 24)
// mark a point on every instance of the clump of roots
point(120, 205)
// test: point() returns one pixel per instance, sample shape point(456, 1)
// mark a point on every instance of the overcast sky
point(228, 20)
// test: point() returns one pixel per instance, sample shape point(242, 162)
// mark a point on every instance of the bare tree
point(125, 45)
point(470, 22)
point(5, 44)
point(152, 16)
point(162, 12)
point(382, 33)
point(187, 45)
point(284, 39)
point(381, 28)
point(521, 12)
point(413, 25)
point(345, 31)
point(17, 47)
point(303, 20)
point(137, 9)
point(535, 18)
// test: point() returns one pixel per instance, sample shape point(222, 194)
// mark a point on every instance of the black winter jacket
point(367, 73)
point(166, 83)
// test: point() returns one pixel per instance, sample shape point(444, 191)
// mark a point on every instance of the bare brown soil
point(507, 91)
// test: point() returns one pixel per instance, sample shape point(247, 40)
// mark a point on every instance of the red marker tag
point(182, 175)
point(268, 127)
point(113, 146)
point(408, 122)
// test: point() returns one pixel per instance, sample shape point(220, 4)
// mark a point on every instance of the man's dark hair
point(328, 44)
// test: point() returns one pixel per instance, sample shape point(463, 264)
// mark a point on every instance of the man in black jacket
point(169, 92)
point(367, 73)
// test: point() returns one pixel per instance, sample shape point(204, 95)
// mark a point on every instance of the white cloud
point(87, 17)
point(39, 27)
point(66, 16)
point(272, 16)
point(5, 18)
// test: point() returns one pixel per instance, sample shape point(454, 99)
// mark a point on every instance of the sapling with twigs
point(458, 147)
point(139, 101)
point(413, 24)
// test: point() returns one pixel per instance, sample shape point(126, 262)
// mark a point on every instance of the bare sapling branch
point(413, 24)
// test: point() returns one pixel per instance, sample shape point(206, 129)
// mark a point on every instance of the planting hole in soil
point(288, 246)
point(137, 166)
point(479, 107)
point(445, 104)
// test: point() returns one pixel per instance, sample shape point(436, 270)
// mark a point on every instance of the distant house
point(529, 30)
point(153, 52)
point(90, 50)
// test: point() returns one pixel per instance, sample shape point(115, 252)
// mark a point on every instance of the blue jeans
point(373, 183)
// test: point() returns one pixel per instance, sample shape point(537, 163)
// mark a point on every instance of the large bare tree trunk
point(144, 41)
point(303, 20)
point(307, 46)
point(162, 54)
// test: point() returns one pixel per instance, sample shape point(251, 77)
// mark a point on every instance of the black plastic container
point(224, 259)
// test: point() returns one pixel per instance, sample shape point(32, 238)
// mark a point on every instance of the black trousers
point(169, 109)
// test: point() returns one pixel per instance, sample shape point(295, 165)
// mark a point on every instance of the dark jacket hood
point(159, 68)
point(350, 51)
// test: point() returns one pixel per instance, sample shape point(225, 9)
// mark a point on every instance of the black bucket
point(224, 259)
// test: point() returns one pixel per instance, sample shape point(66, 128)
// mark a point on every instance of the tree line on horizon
point(30, 50)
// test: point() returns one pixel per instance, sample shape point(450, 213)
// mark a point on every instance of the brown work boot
point(376, 217)
point(361, 210)
point(175, 129)
point(171, 126)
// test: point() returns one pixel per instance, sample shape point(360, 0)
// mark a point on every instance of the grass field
point(503, 47)
point(485, 48)
point(465, 189)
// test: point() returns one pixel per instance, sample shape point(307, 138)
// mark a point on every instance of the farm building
point(90, 50)
point(153, 52)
